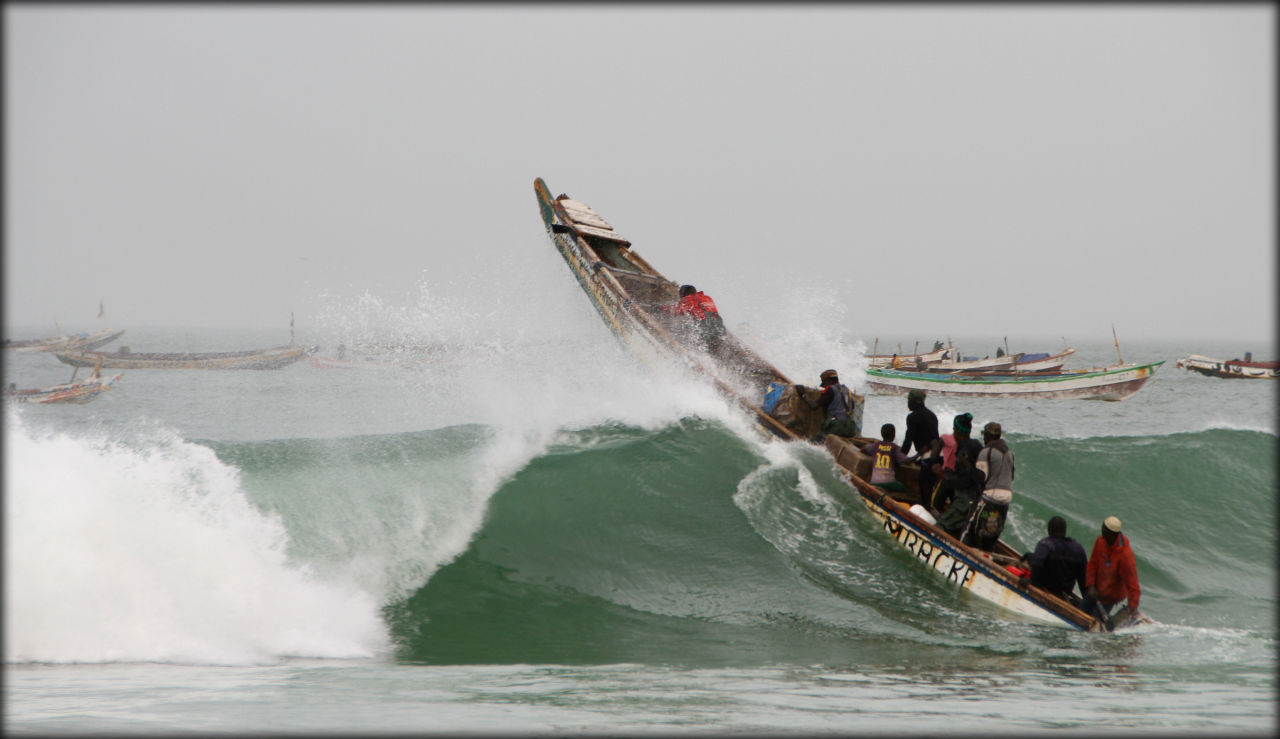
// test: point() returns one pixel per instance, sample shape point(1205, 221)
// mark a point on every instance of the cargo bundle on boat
point(627, 291)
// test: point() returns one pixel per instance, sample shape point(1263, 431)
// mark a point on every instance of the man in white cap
point(1111, 575)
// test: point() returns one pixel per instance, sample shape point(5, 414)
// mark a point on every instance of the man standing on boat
point(942, 460)
point(996, 463)
point(1111, 575)
point(959, 493)
point(922, 430)
point(922, 426)
point(841, 409)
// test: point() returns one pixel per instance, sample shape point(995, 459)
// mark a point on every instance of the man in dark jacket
point(922, 425)
point(1058, 563)
point(962, 488)
point(841, 408)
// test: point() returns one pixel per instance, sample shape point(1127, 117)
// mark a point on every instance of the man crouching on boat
point(841, 409)
point(704, 325)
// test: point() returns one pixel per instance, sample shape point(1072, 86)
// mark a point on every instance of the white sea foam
point(153, 553)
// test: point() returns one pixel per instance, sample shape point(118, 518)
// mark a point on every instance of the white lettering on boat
point(935, 556)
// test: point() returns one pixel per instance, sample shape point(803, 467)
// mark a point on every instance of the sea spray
point(152, 552)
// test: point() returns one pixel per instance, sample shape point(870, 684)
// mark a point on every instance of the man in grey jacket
point(996, 463)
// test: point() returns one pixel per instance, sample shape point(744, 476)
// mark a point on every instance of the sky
point(928, 170)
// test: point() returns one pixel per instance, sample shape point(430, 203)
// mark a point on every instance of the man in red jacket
point(1111, 575)
point(695, 306)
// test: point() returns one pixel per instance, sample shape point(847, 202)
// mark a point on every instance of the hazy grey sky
point(966, 170)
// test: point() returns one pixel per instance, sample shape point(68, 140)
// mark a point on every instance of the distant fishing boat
point(84, 342)
point(1043, 361)
point(907, 360)
point(1007, 361)
point(258, 359)
point(1231, 368)
point(1102, 383)
point(82, 391)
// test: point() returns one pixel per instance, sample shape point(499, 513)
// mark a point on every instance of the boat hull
point(76, 342)
point(71, 392)
point(274, 358)
point(1113, 384)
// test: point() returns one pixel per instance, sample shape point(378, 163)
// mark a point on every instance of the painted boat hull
point(965, 566)
point(1112, 384)
point(71, 392)
point(258, 359)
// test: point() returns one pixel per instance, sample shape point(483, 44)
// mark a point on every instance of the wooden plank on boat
point(582, 213)
point(602, 233)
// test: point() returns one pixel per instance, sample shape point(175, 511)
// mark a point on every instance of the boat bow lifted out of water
point(625, 290)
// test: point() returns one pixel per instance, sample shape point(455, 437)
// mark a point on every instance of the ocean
point(533, 533)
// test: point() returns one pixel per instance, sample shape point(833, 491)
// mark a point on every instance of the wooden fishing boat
point(82, 342)
point(259, 359)
point(1043, 361)
point(1101, 383)
point(1231, 368)
point(907, 360)
point(626, 291)
point(81, 391)
point(1008, 361)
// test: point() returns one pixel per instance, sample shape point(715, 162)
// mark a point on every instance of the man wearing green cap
point(960, 486)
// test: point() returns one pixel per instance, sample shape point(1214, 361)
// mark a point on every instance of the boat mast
point(1117, 339)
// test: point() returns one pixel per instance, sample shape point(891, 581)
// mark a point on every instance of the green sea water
point(542, 537)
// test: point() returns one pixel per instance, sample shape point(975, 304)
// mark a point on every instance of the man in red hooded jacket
point(1111, 575)
point(698, 307)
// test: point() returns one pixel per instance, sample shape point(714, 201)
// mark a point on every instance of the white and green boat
point(1099, 383)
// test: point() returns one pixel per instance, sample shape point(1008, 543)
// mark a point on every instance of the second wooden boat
point(1231, 368)
point(259, 359)
point(81, 342)
point(1103, 383)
